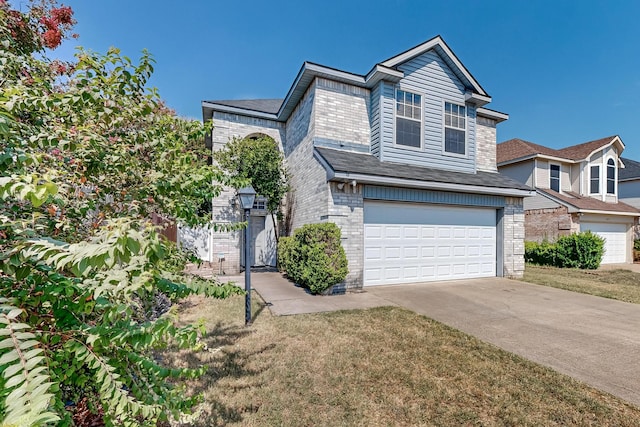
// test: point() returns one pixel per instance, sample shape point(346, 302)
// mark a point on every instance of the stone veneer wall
point(485, 144)
point(513, 250)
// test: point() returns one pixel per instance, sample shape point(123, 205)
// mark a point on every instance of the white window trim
point(395, 122)
point(466, 130)
point(599, 179)
point(559, 176)
point(615, 177)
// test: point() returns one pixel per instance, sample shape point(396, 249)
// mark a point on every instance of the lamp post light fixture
point(247, 197)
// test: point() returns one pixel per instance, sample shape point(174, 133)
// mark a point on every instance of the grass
point(623, 285)
point(383, 366)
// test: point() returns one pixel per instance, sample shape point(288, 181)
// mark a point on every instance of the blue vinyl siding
point(387, 105)
point(374, 120)
point(428, 196)
point(429, 76)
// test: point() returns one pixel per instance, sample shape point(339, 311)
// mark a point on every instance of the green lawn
point(623, 285)
point(383, 366)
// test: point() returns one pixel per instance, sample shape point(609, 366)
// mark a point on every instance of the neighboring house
point(577, 190)
point(402, 159)
point(629, 186)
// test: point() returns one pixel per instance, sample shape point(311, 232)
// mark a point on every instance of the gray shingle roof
point(352, 162)
point(630, 171)
point(271, 106)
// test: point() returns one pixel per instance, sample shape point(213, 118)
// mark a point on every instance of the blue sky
point(565, 71)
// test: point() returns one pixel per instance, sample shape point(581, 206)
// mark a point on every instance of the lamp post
point(247, 196)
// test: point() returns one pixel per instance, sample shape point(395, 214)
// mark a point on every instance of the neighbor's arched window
point(611, 176)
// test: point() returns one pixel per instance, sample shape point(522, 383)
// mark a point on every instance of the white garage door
point(407, 243)
point(615, 235)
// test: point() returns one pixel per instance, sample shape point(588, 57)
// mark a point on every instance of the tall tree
point(260, 161)
point(87, 152)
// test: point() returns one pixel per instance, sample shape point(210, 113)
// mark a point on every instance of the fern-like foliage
point(25, 382)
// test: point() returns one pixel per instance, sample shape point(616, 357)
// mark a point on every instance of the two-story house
point(402, 159)
point(577, 189)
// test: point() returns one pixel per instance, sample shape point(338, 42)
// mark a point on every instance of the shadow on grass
point(227, 362)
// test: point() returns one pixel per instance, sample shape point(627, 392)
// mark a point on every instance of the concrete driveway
point(593, 339)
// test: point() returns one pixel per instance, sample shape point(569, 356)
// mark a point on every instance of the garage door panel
point(615, 236)
point(411, 251)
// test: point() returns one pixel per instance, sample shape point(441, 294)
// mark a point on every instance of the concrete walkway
point(595, 340)
point(284, 298)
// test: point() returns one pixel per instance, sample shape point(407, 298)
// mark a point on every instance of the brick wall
point(307, 177)
point(485, 144)
point(514, 231)
point(225, 210)
point(342, 112)
point(346, 209)
point(549, 224)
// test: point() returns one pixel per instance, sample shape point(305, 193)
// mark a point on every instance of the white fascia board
point(477, 99)
point(430, 185)
point(240, 111)
point(537, 156)
point(380, 72)
point(610, 143)
point(588, 211)
point(343, 76)
point(492, 114)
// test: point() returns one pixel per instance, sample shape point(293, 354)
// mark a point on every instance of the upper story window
point(554, 177)
point(594, 180)
point(611, 176)
point(408, 119)
point(455, 126)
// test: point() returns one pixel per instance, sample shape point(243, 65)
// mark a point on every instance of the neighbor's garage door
point(615, 236)
point(405, 243)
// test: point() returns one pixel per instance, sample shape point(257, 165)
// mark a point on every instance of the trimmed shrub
point(313, 257)
point(540, 253)
point(578, 250)
point(581, 250)
point(285, 246)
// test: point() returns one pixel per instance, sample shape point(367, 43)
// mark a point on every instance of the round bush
point(314, 257)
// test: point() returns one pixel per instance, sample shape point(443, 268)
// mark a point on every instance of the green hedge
point(579, 250)
point(313, 257)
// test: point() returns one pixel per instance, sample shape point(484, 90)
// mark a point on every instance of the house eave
point(575, 209)
point(428, 185)
point(209, 107)
point(476, 99)
point(597, 212)
point(492, 114)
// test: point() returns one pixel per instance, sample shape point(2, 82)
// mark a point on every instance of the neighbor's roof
point(387, 70)
point(585, 203)
point(348, 163)
point(518, 149)
point(630, 171)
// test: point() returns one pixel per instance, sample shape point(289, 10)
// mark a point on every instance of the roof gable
point(442, 49)
point(515, 150)
point(386, 70)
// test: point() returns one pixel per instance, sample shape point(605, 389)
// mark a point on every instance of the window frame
point(396, 116)
point(551, 165)
point(591, 179)
point(611, 163)
point(464, 155)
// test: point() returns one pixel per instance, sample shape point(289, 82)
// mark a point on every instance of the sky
point(566, 72)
